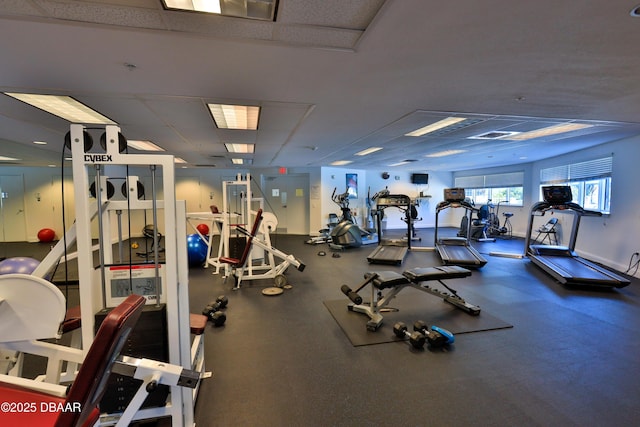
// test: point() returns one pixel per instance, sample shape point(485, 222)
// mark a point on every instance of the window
point(503, 188)
point(590, 182)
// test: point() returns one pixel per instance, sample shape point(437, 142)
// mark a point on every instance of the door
point(288, 198)
point(12, 209)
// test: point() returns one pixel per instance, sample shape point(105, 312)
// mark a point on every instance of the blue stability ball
point(18, 265)
point(196, 250)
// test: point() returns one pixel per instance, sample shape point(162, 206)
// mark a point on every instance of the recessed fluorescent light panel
point(368, 151)
point(7, 159)
point(449, 121)
point(40, 142)
point(404, 162)
point(179, 160)
point(239, 148)
point(64, 107)
point(549, 131)
point(235, 116)
point(445, 153)
point(263, 10)
point(242, 161)
point(144, 145)
point(206, 6)
point(341, 162)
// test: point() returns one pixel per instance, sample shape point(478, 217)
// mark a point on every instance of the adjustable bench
point(396, 282)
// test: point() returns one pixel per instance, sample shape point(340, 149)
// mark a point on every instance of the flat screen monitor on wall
point(420, 178)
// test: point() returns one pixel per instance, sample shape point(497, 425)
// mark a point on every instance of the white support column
point(89, 296)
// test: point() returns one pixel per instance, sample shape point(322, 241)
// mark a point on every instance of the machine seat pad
point(443, 272)
point(235, 262)
point(72, 319)
point(197, 323)
point(387, 279)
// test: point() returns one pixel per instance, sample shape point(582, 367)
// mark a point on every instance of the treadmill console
point(454, 194)
point(557, 194)
point(399, 200)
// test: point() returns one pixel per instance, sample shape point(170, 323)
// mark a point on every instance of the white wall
point(613, 238)
point(42, 198)
point(400, 183)
point(335, 178)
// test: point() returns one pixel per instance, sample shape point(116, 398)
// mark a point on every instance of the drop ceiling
point(332, 78)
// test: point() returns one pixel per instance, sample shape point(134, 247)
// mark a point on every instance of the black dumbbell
point(435, 335)
point(417, 339)
point(213, 313)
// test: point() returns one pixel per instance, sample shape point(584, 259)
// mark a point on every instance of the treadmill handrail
point(457, 204)
point(545, 206)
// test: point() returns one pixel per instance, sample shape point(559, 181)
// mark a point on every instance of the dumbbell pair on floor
point(422, 334)
point(213, 310)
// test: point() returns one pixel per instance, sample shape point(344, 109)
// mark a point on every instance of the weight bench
point(396, 282)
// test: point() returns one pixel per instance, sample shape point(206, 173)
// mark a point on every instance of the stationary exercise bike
point(410, 217)
point(495, 229)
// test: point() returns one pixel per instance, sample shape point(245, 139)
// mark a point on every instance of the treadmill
point(388, 252)
point(457, 250)
point(562, 262)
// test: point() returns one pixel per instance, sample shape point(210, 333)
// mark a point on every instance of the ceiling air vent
point(496, 134)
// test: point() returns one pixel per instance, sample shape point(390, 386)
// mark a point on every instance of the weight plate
point(272, 291)
point(87, 140)
point(280, 280)
point(122, 142)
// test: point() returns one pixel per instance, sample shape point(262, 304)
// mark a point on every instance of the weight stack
point(236, 246)
point(149, 339)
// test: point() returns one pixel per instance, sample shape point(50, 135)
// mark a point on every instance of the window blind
point(511, 179)
point(598, 168)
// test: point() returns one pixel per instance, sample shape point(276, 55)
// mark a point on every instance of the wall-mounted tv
point(420, 178)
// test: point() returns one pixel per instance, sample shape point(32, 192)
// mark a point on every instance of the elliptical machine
point(346, 234)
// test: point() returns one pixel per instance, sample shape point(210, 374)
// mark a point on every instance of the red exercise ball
point(203, 229)
point(46, 235)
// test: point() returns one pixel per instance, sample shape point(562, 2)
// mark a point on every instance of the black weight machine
point(395, 282)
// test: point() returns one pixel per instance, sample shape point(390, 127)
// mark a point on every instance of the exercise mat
point(408, 307)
